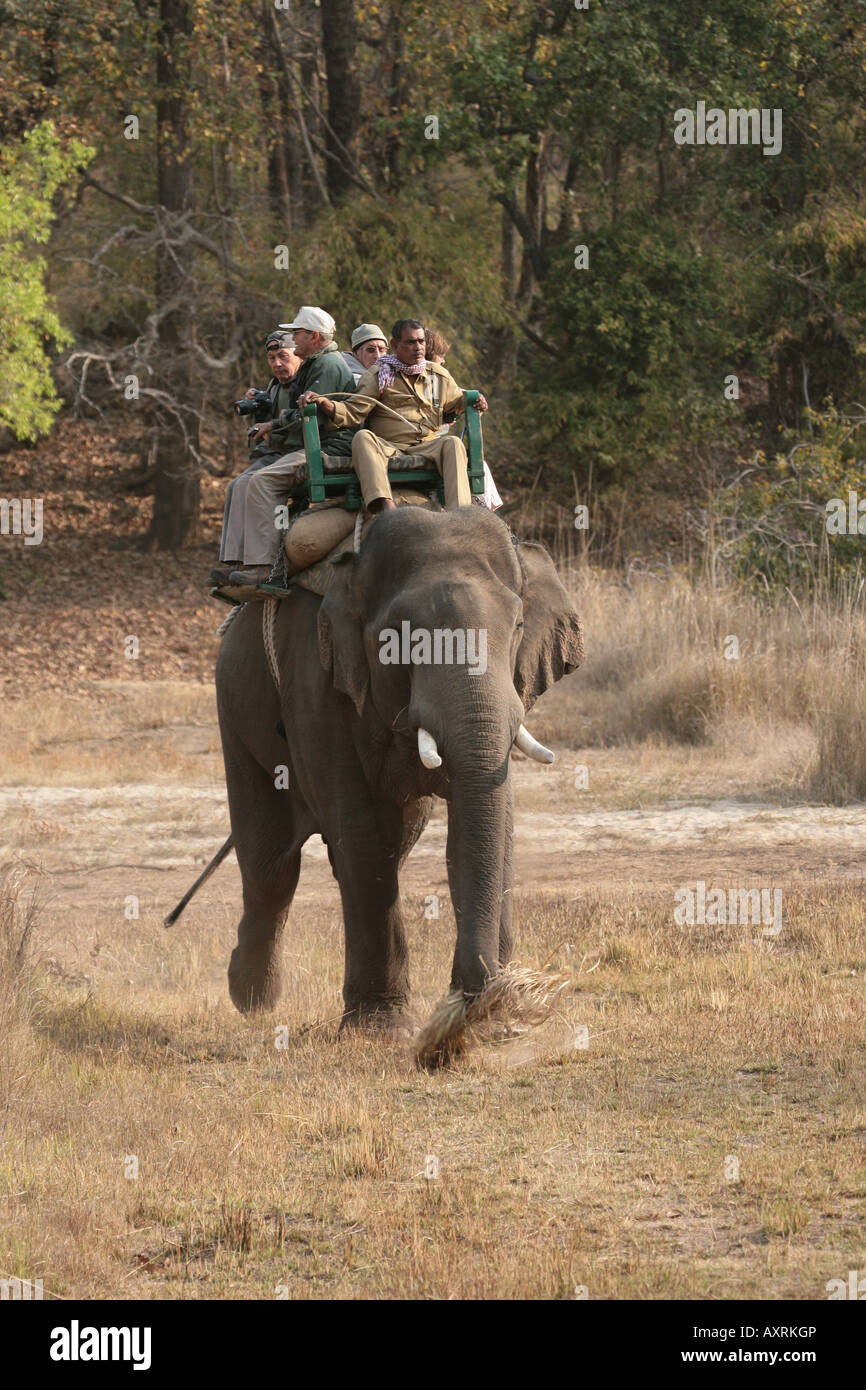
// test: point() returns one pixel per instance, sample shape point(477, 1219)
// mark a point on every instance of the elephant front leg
point(376, 990)
point(506, 916)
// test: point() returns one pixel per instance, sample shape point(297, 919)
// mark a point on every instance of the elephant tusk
point(427, 750)
point(531, 747)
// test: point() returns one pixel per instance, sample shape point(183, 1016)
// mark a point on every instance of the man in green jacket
point(250, 539)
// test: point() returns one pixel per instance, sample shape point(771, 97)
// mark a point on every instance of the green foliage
point(812, 294)
point(31, 175)
point(703, 261)
point(377, 260)
point(786, 521)
point(639, 345)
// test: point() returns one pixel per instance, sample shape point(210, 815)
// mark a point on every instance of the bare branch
point(170, 225)
point(230, 356)
point(90, 182)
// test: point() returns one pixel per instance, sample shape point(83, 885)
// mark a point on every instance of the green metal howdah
point(319, 485)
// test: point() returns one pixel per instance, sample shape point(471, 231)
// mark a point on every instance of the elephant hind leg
point(268, 837)
point(255, 977)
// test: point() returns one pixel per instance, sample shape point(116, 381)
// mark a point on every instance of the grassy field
point(707, 1141)
point(690, 1123)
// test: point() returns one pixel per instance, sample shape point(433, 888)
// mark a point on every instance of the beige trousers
point(370, 456)
point(250, 533)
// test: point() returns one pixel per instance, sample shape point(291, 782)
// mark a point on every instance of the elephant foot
point(395, 1021)
point(255, 982)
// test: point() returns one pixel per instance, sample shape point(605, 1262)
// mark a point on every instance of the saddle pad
point(317, 577)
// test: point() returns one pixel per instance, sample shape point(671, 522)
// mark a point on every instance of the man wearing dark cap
point(284, 365)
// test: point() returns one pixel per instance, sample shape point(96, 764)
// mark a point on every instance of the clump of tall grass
point(516, 999)
point(19, 909)
point(18, 914)
point(679, 660)
point(838, 771)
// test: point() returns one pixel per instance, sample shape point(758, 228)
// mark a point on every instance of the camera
point(251, 405)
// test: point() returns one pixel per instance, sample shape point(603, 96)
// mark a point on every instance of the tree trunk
point(504, 350)
point(793, 170)
point(225, 200)
point(509, 252)
point(301, 208)
point(176, 488)
point(661, 147)
point(274, 104)
point(397, 86)
point(339, 41)
point(535, 202)
point(613, 164)
point(572, 169)
point(307, 57)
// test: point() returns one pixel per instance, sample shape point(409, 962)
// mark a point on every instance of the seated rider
point(283, 364)
point(368, 345)
point(402, 398)
point(437, 351)
point(250, 541)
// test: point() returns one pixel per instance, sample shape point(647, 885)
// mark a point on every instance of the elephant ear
point(552, 643)
point(341, 641)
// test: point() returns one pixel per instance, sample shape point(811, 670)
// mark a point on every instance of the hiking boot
point(251, 574)
point(220, 575)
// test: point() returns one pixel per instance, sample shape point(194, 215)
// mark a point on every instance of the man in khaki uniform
point(403, 398)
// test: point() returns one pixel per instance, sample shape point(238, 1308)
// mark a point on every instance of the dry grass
point(838, 771)
point(594, 1151)
point(657, 672)
point(125, 731)
point(19, 991)
point(514, 1001)
point(305, 1168)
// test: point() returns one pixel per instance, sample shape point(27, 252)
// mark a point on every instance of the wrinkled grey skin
point(351, 746)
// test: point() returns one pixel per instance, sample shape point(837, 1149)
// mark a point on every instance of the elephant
point(367, 743)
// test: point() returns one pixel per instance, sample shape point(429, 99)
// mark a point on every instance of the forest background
point(671, 335)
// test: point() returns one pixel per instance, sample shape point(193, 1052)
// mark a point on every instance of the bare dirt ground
point(93, 840)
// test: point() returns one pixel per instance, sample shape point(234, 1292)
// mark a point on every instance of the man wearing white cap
point(368, 345)
point(250, 539)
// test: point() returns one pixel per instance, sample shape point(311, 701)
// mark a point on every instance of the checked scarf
point(389, 365)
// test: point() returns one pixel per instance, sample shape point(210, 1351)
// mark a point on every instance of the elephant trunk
point(475, 746)
point(478, 823)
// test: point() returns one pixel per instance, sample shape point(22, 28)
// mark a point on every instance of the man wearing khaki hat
point(250, 538)
point(368, 345)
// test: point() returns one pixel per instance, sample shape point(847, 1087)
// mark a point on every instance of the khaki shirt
point(422, 400)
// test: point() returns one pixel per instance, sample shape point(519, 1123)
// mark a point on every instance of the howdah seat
point(319, 485)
